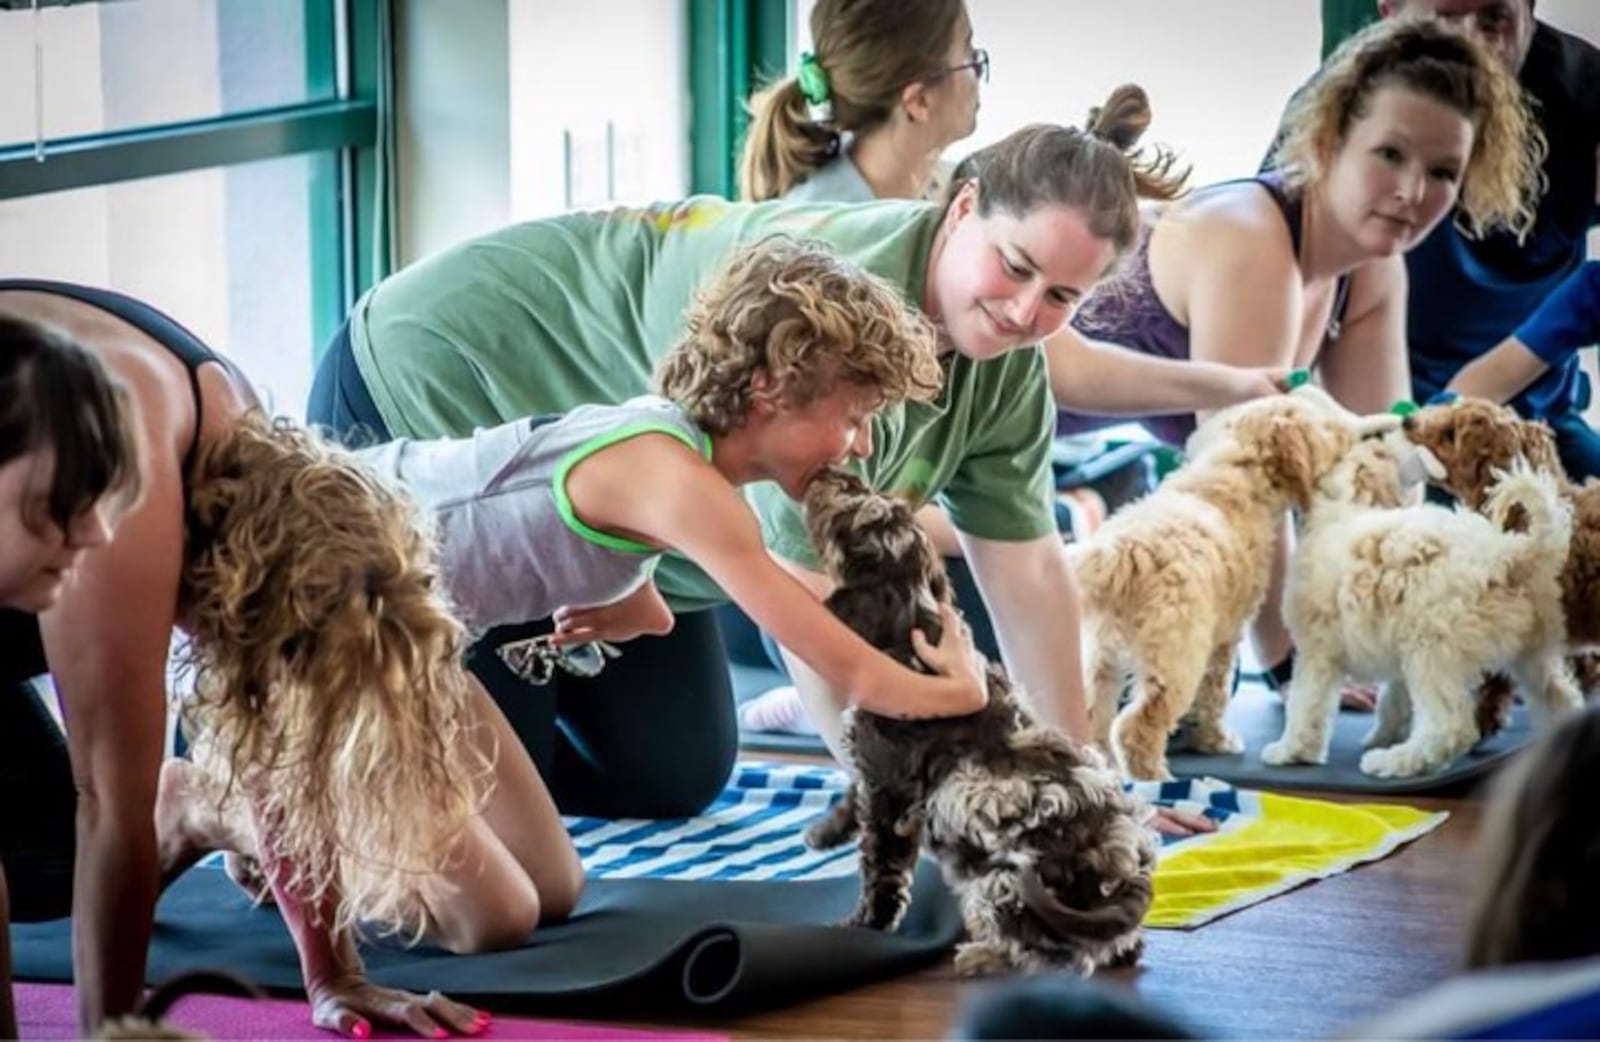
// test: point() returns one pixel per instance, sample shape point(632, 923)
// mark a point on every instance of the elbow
point(660, 624)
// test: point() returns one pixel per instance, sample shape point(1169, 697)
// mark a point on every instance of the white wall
point(1216, 88)
point(576, 68)
point(453, 95)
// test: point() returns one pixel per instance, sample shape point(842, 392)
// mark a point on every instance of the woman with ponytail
point(1302, 266)
point(547, 315)
point(886, 89)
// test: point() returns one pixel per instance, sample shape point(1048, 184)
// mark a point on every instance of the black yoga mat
point(635, 947)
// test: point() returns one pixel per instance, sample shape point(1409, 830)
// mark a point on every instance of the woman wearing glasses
point(886, 89)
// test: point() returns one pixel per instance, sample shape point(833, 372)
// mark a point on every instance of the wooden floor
point(1303, 965)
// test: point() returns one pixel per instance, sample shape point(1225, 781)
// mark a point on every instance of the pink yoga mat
point(49, 1011)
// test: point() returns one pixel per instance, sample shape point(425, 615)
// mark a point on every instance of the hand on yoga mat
point(349, 1005)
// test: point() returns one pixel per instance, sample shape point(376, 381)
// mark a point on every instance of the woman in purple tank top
point(1303, 268)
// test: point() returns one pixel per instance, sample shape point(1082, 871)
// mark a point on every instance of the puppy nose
point(1408, 424)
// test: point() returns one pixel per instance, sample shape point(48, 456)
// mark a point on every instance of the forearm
point(326, 956)
point(115, 883)
point(1500, 375)
point(1038, 623)
point(1108, 380)
point(824, 705)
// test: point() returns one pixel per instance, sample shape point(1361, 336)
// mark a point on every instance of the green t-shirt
point(547, 315)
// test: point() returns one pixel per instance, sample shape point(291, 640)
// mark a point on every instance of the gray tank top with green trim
point(512, 549)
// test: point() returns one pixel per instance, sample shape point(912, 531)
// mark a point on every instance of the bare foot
point(1363, 698)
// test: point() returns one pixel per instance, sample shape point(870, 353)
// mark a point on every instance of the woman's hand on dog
point(350, 1003)
point(954, 657)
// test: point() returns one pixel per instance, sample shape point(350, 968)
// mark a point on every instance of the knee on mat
point(561, 891)
point(507, 925)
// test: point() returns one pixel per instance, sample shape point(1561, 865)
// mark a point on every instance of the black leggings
point(653, 736)
point(38, 823)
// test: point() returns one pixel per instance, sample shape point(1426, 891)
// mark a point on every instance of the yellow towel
point(1265, 844)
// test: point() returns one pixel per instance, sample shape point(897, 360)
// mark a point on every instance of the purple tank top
point(1128, 312)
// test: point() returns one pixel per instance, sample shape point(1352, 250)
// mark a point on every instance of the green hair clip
point(1403, 408)
point(813, 81)
point(1297, 378)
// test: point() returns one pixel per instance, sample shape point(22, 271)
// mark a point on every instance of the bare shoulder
point(1234, 217)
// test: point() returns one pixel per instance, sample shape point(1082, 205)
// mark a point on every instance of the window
point(202, 155)
point(598, 107)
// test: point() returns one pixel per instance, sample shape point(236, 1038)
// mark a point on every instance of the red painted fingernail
point(362, 1029)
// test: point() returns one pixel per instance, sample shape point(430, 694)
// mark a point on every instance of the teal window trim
point(735, 46)
point(351, 209)
point(1342, 19)
point(173, 148)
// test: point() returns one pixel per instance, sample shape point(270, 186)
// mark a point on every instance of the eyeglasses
point(535, 660)
point(979, 64)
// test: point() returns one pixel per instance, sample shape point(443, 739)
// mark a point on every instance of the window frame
point(351, 209)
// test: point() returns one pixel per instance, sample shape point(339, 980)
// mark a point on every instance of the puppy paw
point(879, 912)
point(1217, 742)
point(1397, 761)
point(975, 959)
point(1284, 752)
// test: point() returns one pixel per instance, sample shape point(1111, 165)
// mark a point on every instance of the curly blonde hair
point(1501, 185)
point(807, 318)
point(329, 683)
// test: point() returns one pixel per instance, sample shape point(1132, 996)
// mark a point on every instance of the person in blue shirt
point(1548, 341)
point(1468, 294)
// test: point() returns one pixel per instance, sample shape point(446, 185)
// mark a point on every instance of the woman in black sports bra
point(334, 710)
point(57, 403)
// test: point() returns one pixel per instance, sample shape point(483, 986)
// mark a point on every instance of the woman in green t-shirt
point(552, 314)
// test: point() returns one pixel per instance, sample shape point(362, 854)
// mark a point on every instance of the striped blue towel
point(753, 831)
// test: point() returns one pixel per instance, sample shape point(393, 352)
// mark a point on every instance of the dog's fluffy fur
point(1170, 581)
point(1473, 439)
point(1044, 848)
point(1426, 597)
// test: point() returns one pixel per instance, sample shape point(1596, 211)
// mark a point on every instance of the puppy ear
point(1293, 453)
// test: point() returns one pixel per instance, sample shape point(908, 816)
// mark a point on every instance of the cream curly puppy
point(1425, 597)
point(1170, 581)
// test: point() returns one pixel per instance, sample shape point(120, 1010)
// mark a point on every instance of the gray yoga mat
point(1257, 714)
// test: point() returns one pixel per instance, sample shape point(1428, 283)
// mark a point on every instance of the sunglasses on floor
point(535, 660)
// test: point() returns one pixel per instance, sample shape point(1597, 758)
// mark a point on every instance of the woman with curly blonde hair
point(1303, 266)
point(335, 717)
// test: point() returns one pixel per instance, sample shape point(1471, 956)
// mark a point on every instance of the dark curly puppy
point(1041, 843)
